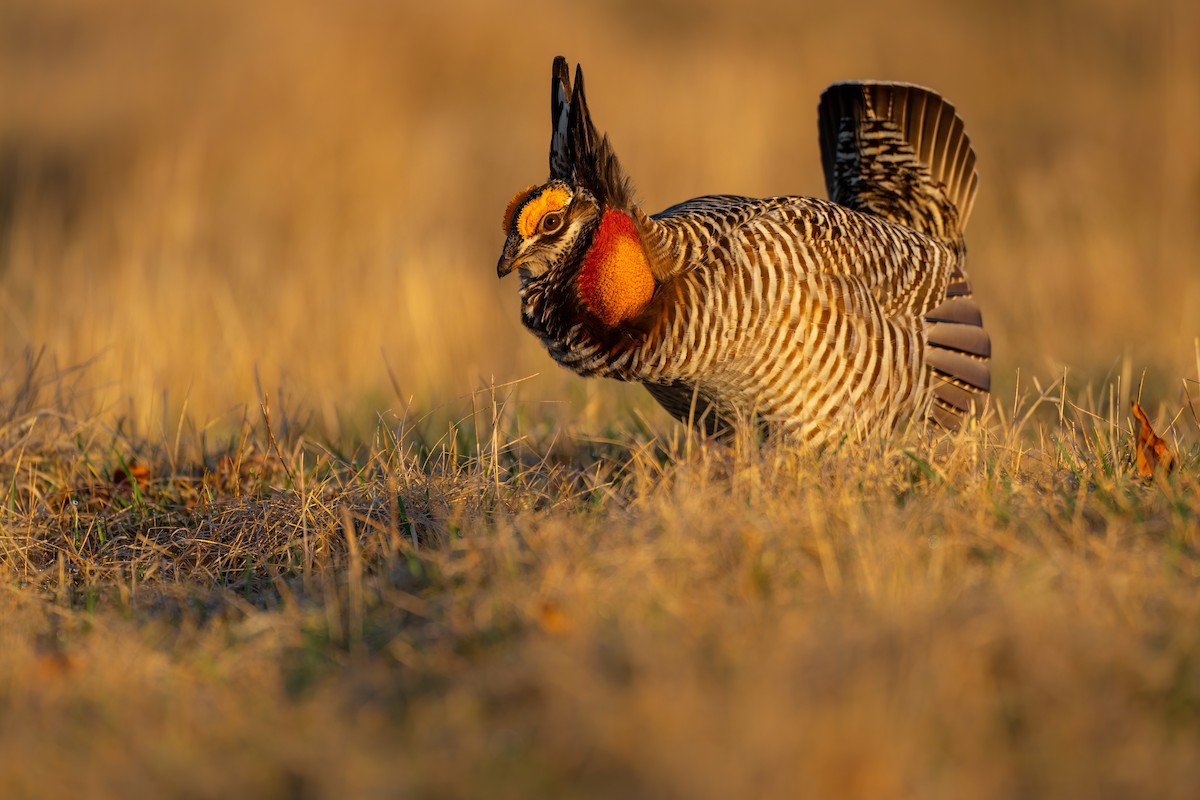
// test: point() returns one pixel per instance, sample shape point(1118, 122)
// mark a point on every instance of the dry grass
point(273, 539)
point(1012, 613)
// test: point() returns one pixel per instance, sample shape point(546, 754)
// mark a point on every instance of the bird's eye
point(551, 223)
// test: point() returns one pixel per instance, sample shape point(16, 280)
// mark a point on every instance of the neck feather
point(615, 282)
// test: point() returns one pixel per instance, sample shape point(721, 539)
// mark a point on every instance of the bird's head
point(577, 228)
point(545, 226)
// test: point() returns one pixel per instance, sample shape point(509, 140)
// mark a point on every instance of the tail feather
point(957, 309)
point(900, 152)
point(958, 353)
point(960, 369)
point(961, 338)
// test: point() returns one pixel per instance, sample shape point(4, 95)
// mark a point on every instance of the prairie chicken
point(819, 319)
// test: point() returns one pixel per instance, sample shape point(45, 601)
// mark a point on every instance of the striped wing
point(908, 273)
point(810, 354)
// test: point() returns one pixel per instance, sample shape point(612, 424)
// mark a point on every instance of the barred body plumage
point(818, 319)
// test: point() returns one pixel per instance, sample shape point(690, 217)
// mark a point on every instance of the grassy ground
point(1011, 614)
point(293, 508)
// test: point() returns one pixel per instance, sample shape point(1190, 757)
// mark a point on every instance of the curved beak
point(508, 259)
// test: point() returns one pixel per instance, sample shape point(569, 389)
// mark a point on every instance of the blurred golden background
point(193, 193)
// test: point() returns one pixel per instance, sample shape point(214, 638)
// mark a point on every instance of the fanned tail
point(900, 152)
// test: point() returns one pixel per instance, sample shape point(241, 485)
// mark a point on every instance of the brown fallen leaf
point(236, 473)
point(52, 665)
point(551, 619)
point(1153, 453)
point(134, 474)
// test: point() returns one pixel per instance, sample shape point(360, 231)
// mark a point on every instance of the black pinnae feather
point(582, 133)
point(561, 165)
point(595, 164)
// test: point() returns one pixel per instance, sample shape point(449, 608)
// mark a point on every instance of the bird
point(814, 320)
